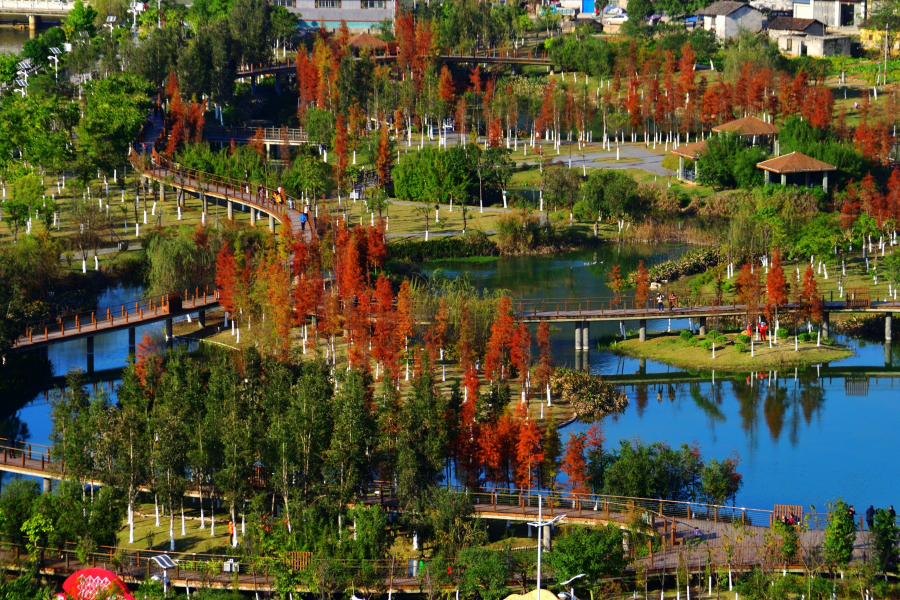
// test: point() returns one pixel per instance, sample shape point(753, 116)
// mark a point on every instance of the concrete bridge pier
point(577, 337)
point(201, 318)
point(47, 485)
point(888, 357)
point(577, 360)
point(888, 317)
point(277, 85)
point(642, 330)
point(34, 22)
point(702, 326)
point(271, 223)
point(642, 366)
point(90, 354)
point(169, 335)
point(826, 322)
point(585, 336)
point(253, 217)
point(230, 210)
point(253, 86)
point(546, 537)
point(268, 151)
point(132, 334)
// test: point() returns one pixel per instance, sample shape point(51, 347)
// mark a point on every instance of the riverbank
point(695, 353)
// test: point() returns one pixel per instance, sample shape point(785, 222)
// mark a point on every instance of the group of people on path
point(660, 301)
point(870, 514)
point(280, 197)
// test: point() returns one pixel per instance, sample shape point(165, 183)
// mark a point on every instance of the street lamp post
point(572, 589)
point(55, 66)
point(540, 524)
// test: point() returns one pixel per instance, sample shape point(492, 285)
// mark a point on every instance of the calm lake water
point(12, 40)
point(828, 433)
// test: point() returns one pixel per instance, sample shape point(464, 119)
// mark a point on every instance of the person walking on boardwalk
point(672, 299)
point(659, 301)
point(870, 516)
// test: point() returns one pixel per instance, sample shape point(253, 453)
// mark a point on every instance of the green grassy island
point(731, 353)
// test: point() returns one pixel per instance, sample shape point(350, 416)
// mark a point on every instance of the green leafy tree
point(422, 437)
point(16, 507)
point(720, 480)
point(483, 571)
point(81, 19)
point(347, 464)
point(113, 114)
point(249, 23)
point(885, 535)
point(840, 533)
point(613, 193)
point(596, 552)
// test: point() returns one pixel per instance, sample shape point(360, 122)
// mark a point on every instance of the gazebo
point(692, 152)
point(367, 41)
point(756, 129)
point(798, 169)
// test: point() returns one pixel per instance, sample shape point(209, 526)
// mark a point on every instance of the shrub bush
point(712, 334)
point(706, 344)
point(685, 334)
point(782, 332)
point(743, 338)
point(740, 347)
point(805, 337)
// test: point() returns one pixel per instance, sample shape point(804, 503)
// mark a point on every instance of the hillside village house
point(728, 17)
point(806, 37)
point(832, 13)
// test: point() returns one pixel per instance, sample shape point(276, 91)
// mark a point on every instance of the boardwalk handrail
point(627, 306)
point(133, 311)
point(269, 133)
point(237, 190)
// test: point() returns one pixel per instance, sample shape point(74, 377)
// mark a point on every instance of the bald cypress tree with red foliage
point(226, 273)
point(574, 464)
point(497, 355)
point(810, 303)
point(775, 285)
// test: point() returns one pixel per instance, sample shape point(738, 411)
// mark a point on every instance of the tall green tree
point(348, 468)
point(422, 437)
point(840, 534)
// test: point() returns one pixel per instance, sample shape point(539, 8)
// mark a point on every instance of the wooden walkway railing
point(129, 314)
point(497, 55)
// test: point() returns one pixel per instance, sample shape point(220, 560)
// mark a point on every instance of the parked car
point(615, 19)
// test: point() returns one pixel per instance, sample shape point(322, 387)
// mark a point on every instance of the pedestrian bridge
point(35, 9)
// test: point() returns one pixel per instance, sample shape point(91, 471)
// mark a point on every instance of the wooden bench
point(786, 510)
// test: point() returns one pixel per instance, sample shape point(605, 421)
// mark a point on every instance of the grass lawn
point(672, 350)
point(856, 277)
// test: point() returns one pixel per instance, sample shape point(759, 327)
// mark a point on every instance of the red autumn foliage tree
point(545, 364)
point(384, 160)
point(810, 303)
point(615, 284)
point(529, 453)
point(497, 355)
point(775, 284)
point(341, 152)
point(226, 274)
point(748, 290)
point(641, 286)
point(520, 354)
point(574, 464)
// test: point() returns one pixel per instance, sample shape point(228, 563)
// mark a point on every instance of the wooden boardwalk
point(116, 318)
point(504, 56)
point(607, 309)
